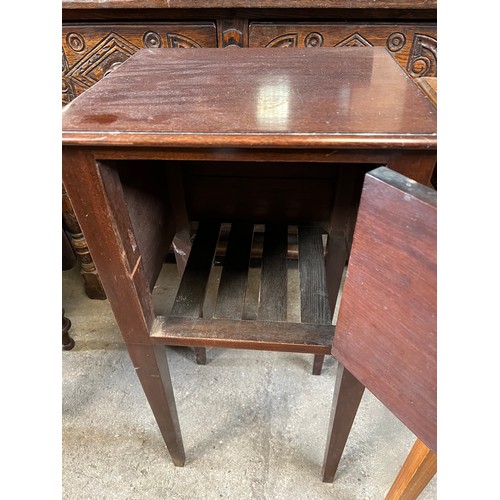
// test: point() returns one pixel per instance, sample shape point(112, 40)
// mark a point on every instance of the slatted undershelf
point(186, 326)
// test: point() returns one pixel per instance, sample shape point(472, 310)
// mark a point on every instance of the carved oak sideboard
point(98, 35)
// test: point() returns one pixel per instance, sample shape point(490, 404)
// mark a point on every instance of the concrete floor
point(254, 423)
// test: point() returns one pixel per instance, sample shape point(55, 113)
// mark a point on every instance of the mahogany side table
point(281, 139)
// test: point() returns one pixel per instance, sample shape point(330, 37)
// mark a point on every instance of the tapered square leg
point(419, 468)
point(201, 355)
point(150, 363)
point(318, 364)
point(346, 399)
point(105, 219)
point(340, 234)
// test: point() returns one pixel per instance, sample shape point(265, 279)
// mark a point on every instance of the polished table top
point(224, 4)
point(325, 97)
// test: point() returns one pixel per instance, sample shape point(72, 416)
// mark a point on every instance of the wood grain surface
point(341, 97)
point(429, 86)
point(234, 275)
point(419, 468)
point(180, 4)
point(192, 289)
point(314, 306)
point(243, 334)
point(386, 330)
point(273, 282)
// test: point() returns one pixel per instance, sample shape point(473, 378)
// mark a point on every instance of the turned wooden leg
point(88, 271)
point(67, 342)
point(419, 468)
point(150, 363)
point(346, 399)
point(91, 280)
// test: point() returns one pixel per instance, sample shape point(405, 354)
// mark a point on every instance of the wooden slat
point(192, 289)
point(234, 276)
point(181, 242)
point(273, 284)
point(314, 307)
point(243, 334)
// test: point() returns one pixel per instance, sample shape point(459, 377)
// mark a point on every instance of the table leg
point(201, 355)
point(342, 222)
point(346, 399)
point(318, 364)
point(105, 220)
point(67, 342)
point(419, 468)
point(150, 363)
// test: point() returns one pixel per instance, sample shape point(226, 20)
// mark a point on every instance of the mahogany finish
point(429, 85)
point(386, 335)
point(199, 98)
point(166, 121)
point(181, 4)
point(98, 36)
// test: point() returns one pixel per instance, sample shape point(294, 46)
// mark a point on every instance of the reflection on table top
point(339, 97)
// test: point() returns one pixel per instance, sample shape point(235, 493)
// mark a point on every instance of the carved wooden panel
point(414, 46)
point(90, 52)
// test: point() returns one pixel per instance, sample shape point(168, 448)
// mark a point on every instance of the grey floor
point(254, 423)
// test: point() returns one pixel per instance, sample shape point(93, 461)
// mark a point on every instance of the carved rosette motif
point(151, 40)
point(395, 42)
point(422, 60)
point(313, 40)
point(76, 42)
point(285, 41)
